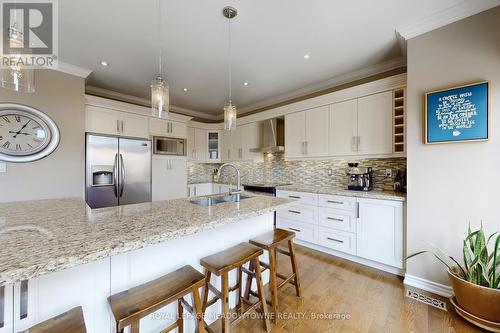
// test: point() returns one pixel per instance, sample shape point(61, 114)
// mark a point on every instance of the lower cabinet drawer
point(337, 219)
point(301, 197)
point(337, 202)
point(337, 240)
point(302, 231)
point(302, 213)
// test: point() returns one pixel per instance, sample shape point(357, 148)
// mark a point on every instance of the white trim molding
point(427, 285)
point(105, 93)
point(127, 107)
point(72, 70)
point(335, 81)
point(370, 88)
point(444, 17)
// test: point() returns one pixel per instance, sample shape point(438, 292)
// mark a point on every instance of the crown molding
point(64, 67)
point(335, 81)
point(365, 89)
point(445, 17)
point(122, 106)
point(101, 92)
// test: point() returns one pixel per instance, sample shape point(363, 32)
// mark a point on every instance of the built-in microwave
point(169, 146)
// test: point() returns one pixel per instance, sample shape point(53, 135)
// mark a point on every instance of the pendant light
point(16, 76)
point(160, 99)
point(230, 111)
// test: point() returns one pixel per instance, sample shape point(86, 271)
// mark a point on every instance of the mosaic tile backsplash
point(311, 172)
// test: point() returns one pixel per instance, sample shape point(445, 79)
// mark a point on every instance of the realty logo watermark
point(29, 33)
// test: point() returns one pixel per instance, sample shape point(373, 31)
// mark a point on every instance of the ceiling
point(270, 39)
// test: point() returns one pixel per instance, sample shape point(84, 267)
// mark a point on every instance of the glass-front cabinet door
point(213, 146)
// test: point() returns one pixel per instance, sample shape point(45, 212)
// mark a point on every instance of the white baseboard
point(430, 286)
point(362, 261)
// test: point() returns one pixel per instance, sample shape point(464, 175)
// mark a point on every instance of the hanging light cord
point(229, 43)
point(159, 37)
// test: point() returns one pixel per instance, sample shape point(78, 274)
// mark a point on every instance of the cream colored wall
point(452, 184)
point(62, 173)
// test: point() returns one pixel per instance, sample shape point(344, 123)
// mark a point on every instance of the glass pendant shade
point(160, 99)
point(230, 114)
point(16, 76)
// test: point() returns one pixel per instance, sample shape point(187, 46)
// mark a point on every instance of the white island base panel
point(91, 284)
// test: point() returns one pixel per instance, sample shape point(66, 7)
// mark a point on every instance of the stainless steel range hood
point(272, 136)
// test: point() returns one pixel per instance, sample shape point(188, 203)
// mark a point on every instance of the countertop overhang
point(43, 236)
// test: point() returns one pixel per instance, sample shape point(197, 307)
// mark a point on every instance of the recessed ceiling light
point(245, 83)
point(306, 56)
point(185, 89)
point(104, 64)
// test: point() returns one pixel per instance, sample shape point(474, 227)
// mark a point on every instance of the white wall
point(62, 173)
point(452, 184)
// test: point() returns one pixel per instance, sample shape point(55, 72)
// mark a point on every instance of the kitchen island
point(57, 254)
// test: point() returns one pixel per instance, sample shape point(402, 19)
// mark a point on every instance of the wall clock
point(26, 134)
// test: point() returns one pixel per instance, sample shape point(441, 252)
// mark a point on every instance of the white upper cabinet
point(105, 116)
point(295, 135)
point(102, 120)
point(306, 133)
point(190, 150)
point(134, 125)
point(361, 126)
point(375, 124)
point(197, 144)
point(236, 144)
point(343, 128)
point(108, 121)
point(317, 132)
point(200, 144)
point(163, 127)
point(226, 145)
point(249, 137)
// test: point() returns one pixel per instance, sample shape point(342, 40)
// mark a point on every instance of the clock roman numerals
point(26, 134)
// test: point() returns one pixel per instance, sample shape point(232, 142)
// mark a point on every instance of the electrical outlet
point(3, 167)
point(388, 173)
point(330, 172)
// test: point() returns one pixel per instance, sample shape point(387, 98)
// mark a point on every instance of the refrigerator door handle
point(122, 175)
point(115, 176)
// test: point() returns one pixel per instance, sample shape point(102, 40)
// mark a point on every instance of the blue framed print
point(457, 114)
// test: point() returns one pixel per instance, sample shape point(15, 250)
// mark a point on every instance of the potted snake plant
point(476, 282)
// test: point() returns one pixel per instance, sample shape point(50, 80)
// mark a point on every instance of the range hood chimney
point(272, 136)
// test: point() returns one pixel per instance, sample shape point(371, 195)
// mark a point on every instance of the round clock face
point(26, 134)
point(22, 134)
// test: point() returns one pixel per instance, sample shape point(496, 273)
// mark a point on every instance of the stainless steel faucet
point(238, 179)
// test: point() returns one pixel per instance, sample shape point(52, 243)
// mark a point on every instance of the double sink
point(214, 200)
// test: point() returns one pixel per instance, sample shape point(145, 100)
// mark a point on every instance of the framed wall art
point(457, 114)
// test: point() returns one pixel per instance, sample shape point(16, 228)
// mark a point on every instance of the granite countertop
point(333, 190)
point(44, 236)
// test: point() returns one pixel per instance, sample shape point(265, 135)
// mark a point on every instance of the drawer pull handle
point(335, 240)
point(335, 219)
point(294, 197)
point(293, 229)
point(335, 202)
point(294, 211)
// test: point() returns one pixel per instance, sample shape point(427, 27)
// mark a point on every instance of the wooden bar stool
point(131, 305)
point(221, 264)
point(270, 242)
point(68, 322)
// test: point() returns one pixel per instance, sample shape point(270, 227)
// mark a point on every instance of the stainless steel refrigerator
point(118, 171)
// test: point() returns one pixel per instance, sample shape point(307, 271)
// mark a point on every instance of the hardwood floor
point(370, 300)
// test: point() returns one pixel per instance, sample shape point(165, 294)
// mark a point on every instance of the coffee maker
point(360, 178)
